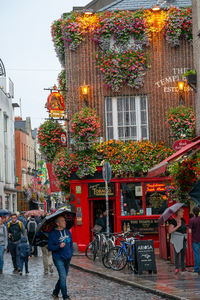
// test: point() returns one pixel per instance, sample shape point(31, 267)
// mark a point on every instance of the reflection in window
point(156, 203)
point(131, 199)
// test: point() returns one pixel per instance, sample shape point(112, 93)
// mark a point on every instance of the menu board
point(145, 256)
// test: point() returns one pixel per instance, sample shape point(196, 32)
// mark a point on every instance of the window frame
point(115, 123)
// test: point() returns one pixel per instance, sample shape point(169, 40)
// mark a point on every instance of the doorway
point(99, 206)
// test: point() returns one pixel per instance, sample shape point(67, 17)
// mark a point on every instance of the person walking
point(31, 231)
point(178, 231)
point(3, 243)
point(194, 229)
point(61, 245)
point(15, 231)
point(24, 254)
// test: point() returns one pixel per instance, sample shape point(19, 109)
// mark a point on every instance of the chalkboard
point(145, 256)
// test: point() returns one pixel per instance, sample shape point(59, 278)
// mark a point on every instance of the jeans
point(196, 249)
point(13, 248)
point(62, 268)
point(2, 247)
point(176, 257)
point(24, 260)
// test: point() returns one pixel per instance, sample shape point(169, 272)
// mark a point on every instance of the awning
point(188, 150)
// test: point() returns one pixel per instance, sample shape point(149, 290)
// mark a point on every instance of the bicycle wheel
point(117, 258)
point(105, 261)
point(89, 252)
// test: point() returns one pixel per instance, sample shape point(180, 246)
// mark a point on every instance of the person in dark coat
point(24, 253)
point(194, 229)
point(61, 244)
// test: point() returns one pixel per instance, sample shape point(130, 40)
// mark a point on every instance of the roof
point(20, 125)
point(189, 149)
point(146, 4)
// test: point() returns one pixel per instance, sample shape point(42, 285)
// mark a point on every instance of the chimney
point(18, 118)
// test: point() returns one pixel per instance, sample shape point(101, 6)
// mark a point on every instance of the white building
point(8, 195)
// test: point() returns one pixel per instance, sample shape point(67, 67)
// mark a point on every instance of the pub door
point(99, 206)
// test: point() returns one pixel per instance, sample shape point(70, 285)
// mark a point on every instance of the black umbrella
point(4, 212)
point(49, 222)
point(195, 192)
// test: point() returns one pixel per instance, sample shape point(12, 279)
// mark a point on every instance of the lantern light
point(181, 85)
point(155, 8)
point(88, 12)
point(84, 89)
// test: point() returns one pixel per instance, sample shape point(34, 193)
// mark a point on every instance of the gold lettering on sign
point(101, 191)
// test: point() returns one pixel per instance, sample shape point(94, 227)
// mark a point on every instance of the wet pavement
point(81, 285)
point(185, 285)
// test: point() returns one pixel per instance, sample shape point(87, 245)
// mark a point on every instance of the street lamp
point(181, 85)
point(84, 91)
point(156, 8)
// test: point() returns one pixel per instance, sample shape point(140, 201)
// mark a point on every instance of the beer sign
point(56, 105)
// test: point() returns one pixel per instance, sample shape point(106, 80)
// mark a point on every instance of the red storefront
point(131, 205)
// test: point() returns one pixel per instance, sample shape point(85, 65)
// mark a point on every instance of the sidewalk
point(185, 285)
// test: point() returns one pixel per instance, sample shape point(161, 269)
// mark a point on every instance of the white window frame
point(138, 118)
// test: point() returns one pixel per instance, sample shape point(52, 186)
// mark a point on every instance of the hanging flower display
point(62, 80)
point(85, 128)
point(49, 139)
point(181, 121)
point(184, 175)
point(56, 32)
point(121, 25)
point(119, 68)
point(130, 158)
point(35, 191)
point(82, 162)
point(178, 25)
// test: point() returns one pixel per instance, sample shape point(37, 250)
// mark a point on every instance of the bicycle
point(119, 256)
point(93, 247)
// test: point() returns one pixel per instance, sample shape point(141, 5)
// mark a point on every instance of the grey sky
point(27, 51)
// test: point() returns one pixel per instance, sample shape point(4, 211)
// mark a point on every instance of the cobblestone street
point(81, 285)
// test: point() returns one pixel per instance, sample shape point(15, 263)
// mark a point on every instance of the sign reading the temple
point(56, 105)
point(97, 190)
point(169, 84)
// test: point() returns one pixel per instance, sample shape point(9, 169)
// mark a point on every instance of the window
point(131, 199)
point(155, 198)
point(126, 118)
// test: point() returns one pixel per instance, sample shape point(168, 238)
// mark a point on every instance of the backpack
point(32, 226)
point(20, 225)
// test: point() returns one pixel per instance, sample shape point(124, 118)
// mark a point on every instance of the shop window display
point(131, 199)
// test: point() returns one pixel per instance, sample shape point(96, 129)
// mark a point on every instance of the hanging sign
point(56, 105)
point(180, 144)
point(63, 139)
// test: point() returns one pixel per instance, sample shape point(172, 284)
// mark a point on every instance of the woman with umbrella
point(178, 231)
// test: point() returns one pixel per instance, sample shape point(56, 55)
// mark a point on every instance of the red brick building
point(128, 114)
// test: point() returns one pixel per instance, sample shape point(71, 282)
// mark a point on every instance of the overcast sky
point(27, 50)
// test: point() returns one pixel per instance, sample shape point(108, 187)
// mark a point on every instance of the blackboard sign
point(148, 226)
point(145, 256)
point(97, 190)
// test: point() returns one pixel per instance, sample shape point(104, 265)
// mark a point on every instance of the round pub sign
point(56, 102)
point(180, 144)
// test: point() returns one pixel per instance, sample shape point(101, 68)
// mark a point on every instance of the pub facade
point(127, 112)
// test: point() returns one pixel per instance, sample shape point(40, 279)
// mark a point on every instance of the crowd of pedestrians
point(18, 235)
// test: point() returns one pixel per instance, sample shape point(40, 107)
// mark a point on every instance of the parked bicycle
point(119, 256)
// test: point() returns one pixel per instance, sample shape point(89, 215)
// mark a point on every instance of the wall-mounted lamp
point(181, 85)
point(88, 12)
point(85, 91)
point(156, 8)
